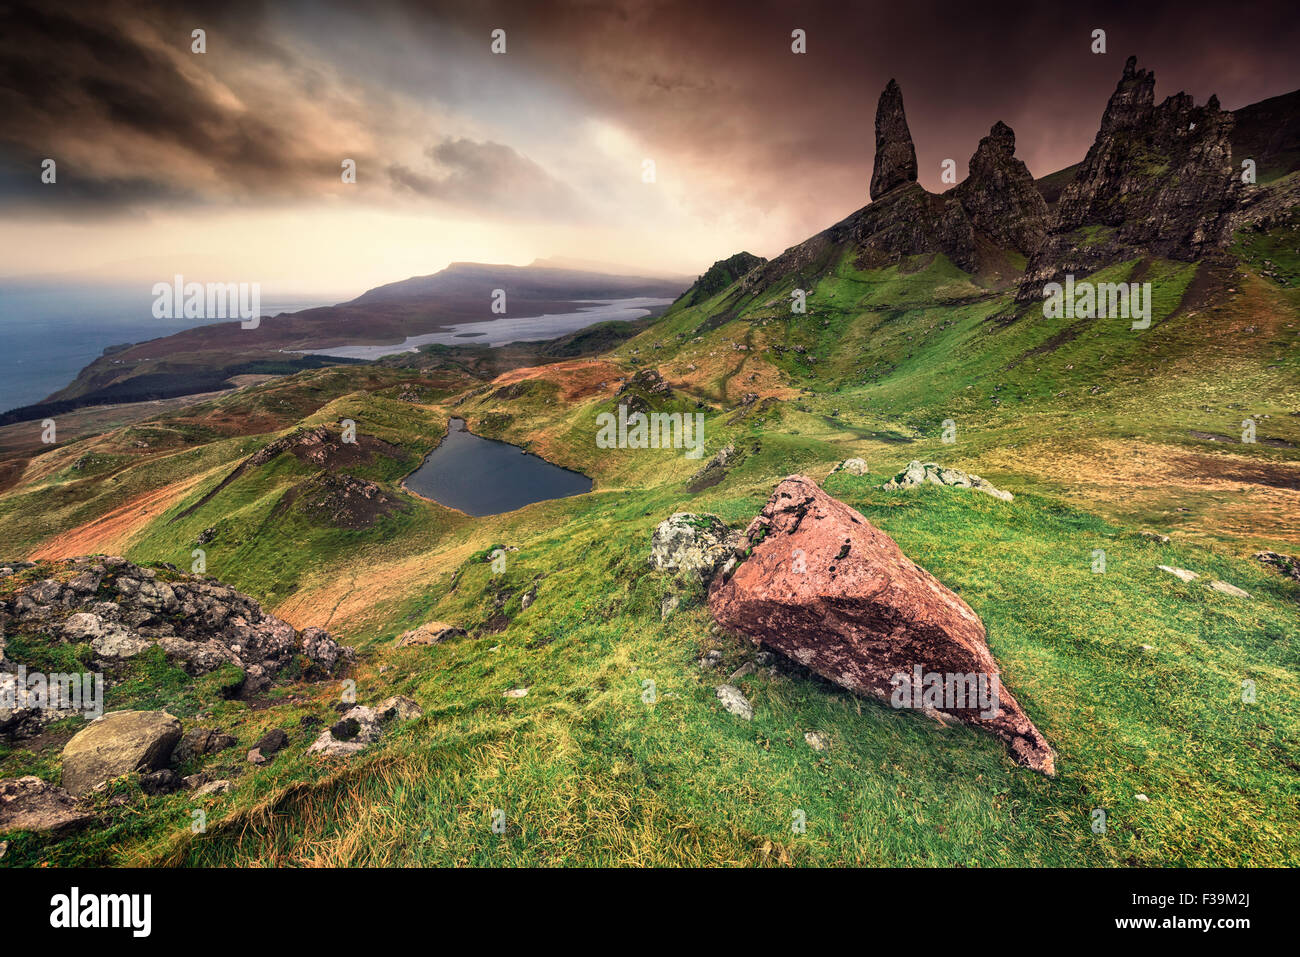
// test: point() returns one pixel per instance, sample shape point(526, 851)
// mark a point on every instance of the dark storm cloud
point(711, 91)
point(79, 84)
point(717, 81)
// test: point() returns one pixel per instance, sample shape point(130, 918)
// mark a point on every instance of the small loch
point(482, 476)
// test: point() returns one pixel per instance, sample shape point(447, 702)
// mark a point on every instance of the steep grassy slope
point(1102, 432)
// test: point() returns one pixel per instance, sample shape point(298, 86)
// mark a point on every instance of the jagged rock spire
point(999, 195)
point(1160, 176)
point(895, 163)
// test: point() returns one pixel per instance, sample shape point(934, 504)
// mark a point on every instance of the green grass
point(1134, 677)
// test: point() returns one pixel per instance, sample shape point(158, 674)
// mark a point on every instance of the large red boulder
point(825, 587)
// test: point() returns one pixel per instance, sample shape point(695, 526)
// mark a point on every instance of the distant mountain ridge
point(203, 358)
point(478, 280)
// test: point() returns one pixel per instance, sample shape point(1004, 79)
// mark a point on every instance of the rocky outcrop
point(361, 727)
point(1158, 180)
point(999, 195)
point(827, 589)
point(1285, 564)
point(715, 469)
point(430, 633)
point(340, 500)
point(25, 712)
point(30, 804)
point(931, 473)
point(121, 609)
point(895, 162)
point(718, 277)
point(693, 544)
point(118, 743)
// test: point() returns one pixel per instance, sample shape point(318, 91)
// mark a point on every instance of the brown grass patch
point(110, 533)
point(577, 379)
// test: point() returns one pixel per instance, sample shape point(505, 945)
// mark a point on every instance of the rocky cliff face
point(999, 195)
point(1158, 180)
point(895, 163)
point(718, 277)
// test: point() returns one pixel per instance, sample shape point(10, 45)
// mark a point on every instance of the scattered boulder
point(1226, 589)
point(857, 611)
point(715, 469)
point(30, 804)
point(710, 659)
point(118, 743)
point(270, 744)
point(201, 741)
point(163, 781)
point(920, 473)
point(430, 633)
point(356, 729)
point(853, 466)
point(398, 707)
point(212, 787)
point(1182, 574)
point(735, 702)
point(814, 740)
point(695, 544)
point(1286, 564)
point(1156, 537)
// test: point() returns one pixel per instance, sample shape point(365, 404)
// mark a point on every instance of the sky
point(226, 165)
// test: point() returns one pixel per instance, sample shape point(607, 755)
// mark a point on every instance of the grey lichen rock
point(1182, 574)
point(695, 544)
point(430, 633)
point(399, 708)
point(921, 473)
point(1226, 589)
point(735, 702)
point(350, 734)
point(118, 743)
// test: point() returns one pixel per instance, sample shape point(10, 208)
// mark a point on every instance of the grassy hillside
point(1102, 433)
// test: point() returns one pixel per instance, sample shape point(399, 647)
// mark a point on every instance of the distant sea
point(50, 332)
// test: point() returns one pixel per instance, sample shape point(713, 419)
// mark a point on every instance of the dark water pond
point(485, 477)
